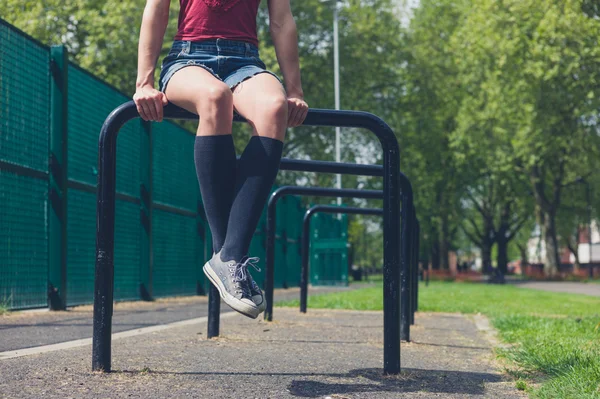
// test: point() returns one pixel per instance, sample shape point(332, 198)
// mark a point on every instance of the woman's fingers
point(158, 106)
point(298, 109)
point(298, 112)
point(149, 103)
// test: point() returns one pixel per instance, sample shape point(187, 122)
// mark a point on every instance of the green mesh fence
point(173, 171)
point(176, 254)
point(293, 222)
point(328, 250)
point(178, 247)
point(23, 241)
point(181, 240)
point(24, 105)
point(81, 249)
point(127, 251)
point(90, 102)
point(24, 117)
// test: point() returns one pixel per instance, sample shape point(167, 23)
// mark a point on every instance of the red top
point(218, 19)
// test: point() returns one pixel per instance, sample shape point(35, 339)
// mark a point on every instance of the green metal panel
point(293, 263)
point(206, 252)
point(24, 129)
point(257, 249)
point(57, 206)
point(86, 116)
point(23, 241)
point(281, 215)
point(24, 94)
point(175, 253)
point(82, 249)
point(178, 247)
point(294, 217)
point(174, 178)
point(81, 246)
point(328, 250)
point(145, 283)
point(280, 263)
point(127, 251)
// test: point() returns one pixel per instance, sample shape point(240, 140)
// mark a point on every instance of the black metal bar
point(407, 206)
point(331, 167)
point(271, 225)
point(214, 311)
point(105, 234)
point(23, 170)
point(175, 210)
point(418, 251)
point(306, 240)
point(413, 270)
point(103, 292)
point(90, 188)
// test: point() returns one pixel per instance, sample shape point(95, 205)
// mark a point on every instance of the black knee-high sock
point(257, 169)
point(215, 161)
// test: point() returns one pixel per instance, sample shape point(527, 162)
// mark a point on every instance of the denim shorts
point(229, 61)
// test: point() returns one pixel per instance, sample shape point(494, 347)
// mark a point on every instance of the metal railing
point(104, 273)
point(306, 240)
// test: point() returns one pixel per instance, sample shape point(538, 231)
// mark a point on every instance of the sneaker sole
point(263, 305)
point(229, 299)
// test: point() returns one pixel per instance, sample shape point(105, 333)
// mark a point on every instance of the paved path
point(34, 328)
point(323, 354)
point(568, 287)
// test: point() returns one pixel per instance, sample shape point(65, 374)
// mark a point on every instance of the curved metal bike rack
point(106, 194)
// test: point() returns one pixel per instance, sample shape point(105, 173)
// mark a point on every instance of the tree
point(427, 117)
point(532, 76)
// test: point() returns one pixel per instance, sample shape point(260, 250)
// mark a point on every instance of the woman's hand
point(150, 102)
point(297, 111)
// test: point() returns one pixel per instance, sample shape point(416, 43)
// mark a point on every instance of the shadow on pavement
point(410, 380)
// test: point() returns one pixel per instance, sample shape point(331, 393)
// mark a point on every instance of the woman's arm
point(150, 101)
point(285, 38)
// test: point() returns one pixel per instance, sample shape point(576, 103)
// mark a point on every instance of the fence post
point(146, 212)
point(57, 183)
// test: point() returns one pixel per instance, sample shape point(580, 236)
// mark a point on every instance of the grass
point(554, 337)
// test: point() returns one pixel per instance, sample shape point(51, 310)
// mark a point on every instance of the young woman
point(214, 68)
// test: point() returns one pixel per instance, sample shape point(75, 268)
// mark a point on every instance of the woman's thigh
point(198, 91)
point(263, 102)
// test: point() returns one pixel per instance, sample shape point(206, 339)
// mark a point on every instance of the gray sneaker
point(230, 278)
point(257, 295)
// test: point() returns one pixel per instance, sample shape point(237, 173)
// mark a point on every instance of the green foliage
point(521, 385)
point(366, 238)
point(494, 102)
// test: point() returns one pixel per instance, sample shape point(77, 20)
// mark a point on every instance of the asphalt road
point(562, 286)
point(27, 329)
point(321, 354)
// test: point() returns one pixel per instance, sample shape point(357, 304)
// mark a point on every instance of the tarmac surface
point(41, 327)
point(562, 286)
point(321, 354)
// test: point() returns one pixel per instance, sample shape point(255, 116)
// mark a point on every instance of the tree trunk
point(502, 257)
point(435, 254)
point(486, 256)
point(444, 244)
point(524, 257)
point(573, 247)
point(552, 260)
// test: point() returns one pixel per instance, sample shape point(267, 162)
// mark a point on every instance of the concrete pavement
point(323, 354)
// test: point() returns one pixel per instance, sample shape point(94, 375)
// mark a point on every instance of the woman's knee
point(274, 108)
point(214, 99)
